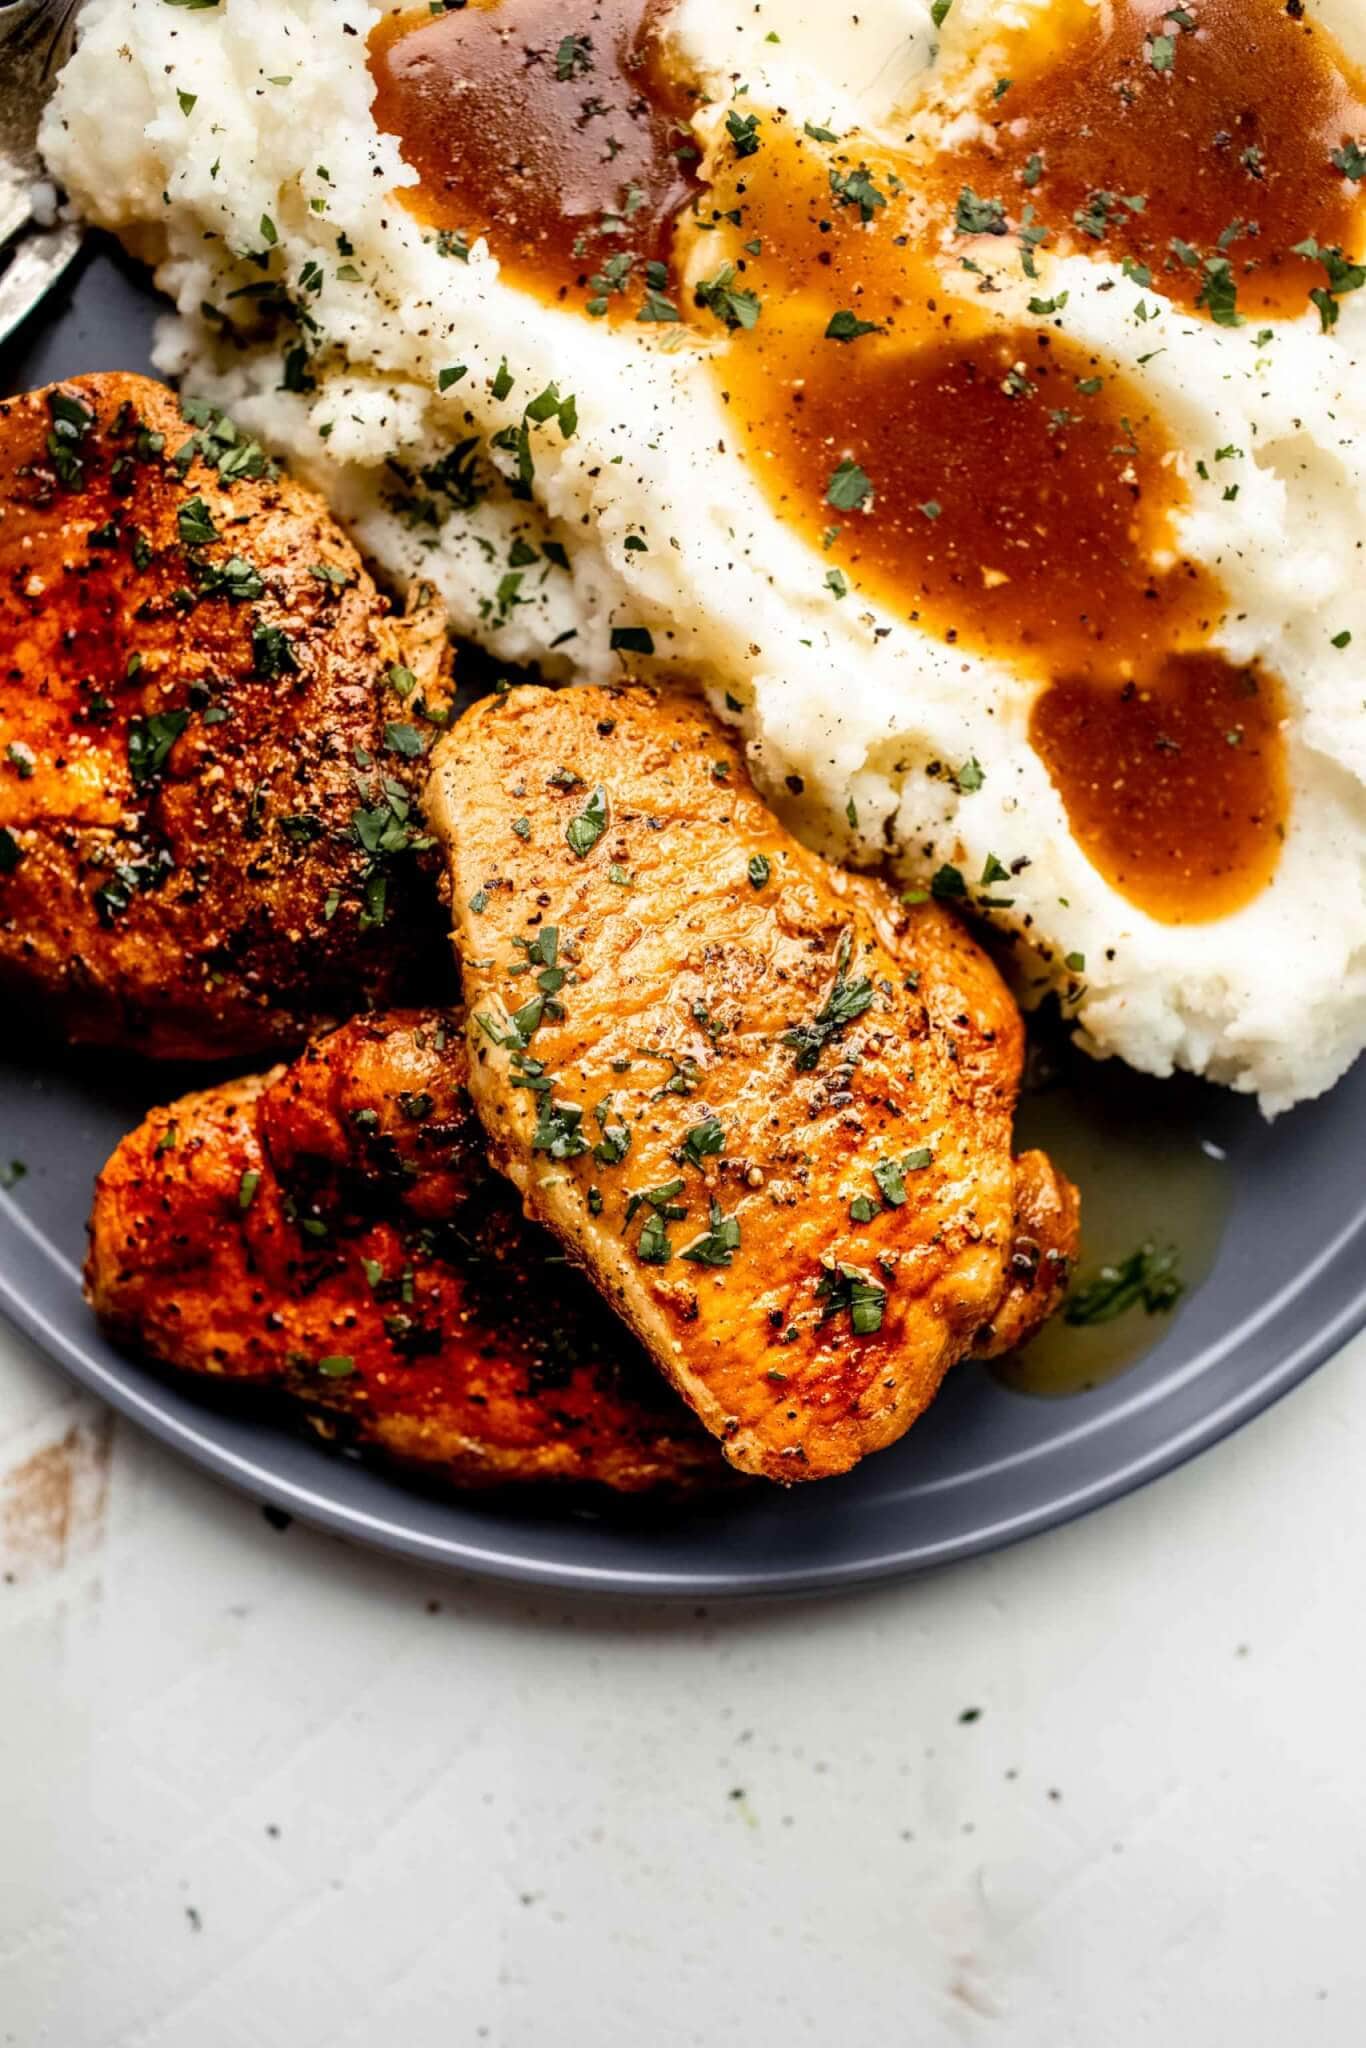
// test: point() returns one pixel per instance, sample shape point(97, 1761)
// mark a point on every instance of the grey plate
point(1287, 1287)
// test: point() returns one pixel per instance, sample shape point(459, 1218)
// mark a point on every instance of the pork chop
point(211, 736)
point(330, 1236)
point(764, 1104)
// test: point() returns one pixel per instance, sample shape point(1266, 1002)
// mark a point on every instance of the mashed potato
point(234, 146)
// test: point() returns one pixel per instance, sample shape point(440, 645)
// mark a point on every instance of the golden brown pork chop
point(767, 1108)
point(331, 1235)
point(210, 732)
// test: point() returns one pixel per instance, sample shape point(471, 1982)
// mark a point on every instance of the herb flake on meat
point(846, 1001)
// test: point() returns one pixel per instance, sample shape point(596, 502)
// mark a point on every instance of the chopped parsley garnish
point(220, 444)
point(195, 523)
point(404, 739)
point(890, 1175)
point(718, 1245)
point(303, 828)
point(1094, 218)
point(383, 828)
point(235, 579)
point(1343, 276)
point(743, 130)
point(1219, 292)
point(704, 1140)
point(150, 741)
point(732, 307)
point(523, 1024)
point(129, 879)
point(974, 216)
point(632, 640)
point(758, 871)
point(846, 326)
point(71, 420)
point(1147, 1278)
point(846, 1001)
point(653, 1247)
point(615, 1142)
point(856, 188)
point(558, 1129)
point(1033, 235)
point(544, 950)
point(1351, 161)
point(585, 830)
point(548, 405)
point(573, 57)
point(661, 1199)
point(336, 1366)
point(844, 1288)
point(272, 656)
point(849, 488)
point(657, 308)
point(246, 1188)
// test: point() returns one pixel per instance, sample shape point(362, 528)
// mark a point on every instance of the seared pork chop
point(764, 1105)
point(330, 1235)
point(211, 732)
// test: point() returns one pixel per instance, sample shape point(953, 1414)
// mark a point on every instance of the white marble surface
point(258, 1790)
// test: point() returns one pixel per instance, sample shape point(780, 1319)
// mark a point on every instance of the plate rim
point(136, 1393)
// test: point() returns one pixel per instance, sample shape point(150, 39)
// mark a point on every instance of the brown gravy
point(1221, 117)
point(1175, 787)
point(1021, 502)
point(1011, 493)
point(548, 126)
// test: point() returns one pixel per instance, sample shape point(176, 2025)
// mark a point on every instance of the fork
point(35, 41)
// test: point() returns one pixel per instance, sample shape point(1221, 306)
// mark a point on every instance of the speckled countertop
point(262, 1791)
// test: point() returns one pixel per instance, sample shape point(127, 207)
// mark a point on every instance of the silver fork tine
point(35, 38)
point(14, 209)
point(37, 265)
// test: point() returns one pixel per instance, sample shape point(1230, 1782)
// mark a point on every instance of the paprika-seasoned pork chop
point(210, 735)
point(765, 1106)
point(330, 1235)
